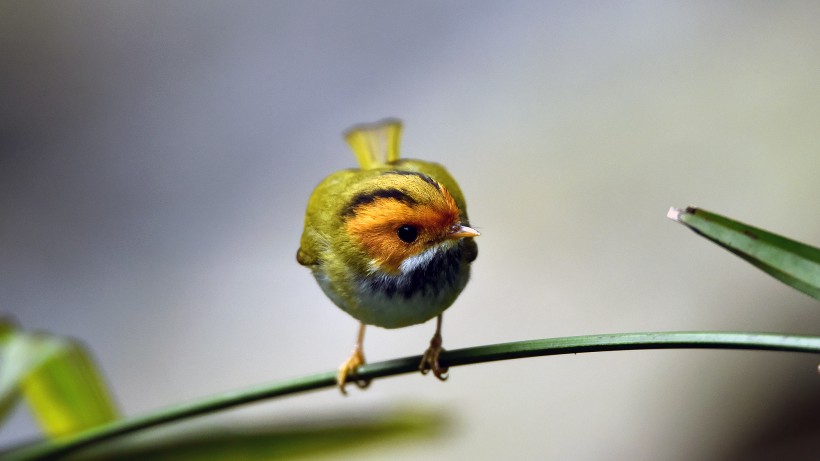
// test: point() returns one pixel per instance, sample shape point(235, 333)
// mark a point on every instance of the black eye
point(407, 233)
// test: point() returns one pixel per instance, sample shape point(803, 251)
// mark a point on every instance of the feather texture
point(352, 244)
point(375, 144)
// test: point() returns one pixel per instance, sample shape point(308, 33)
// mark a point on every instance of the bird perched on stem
point(389, 243)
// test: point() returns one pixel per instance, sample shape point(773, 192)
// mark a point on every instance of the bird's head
point(401, 219)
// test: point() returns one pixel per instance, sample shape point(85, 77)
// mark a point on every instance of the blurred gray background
point(157, 158)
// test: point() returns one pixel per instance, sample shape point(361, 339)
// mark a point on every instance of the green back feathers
point(375, 144)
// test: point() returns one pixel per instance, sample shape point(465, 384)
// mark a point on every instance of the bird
point(389, 242)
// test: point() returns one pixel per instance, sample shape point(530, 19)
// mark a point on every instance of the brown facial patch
point(374, 224)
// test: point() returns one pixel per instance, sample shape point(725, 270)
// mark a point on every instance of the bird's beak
point(460, 231)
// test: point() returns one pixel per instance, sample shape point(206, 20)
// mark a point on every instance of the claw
point(352, 364)
point(349, 367)
point(430, 360)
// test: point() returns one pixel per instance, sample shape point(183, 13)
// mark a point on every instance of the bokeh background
point(157, 158)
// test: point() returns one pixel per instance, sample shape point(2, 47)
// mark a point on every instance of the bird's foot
point(429, 362)
point(349, 367)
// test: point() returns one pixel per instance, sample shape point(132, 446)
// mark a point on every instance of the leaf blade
point(451, 358)
point(58, 379)
point(793, 263)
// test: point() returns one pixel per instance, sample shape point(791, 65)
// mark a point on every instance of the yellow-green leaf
point(57, 378)
point(793, 263)
point(312, 437)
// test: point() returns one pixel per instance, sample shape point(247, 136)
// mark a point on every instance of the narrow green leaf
point(57, 378)
point(793, 263)
point(51, 450)
point(330, 437)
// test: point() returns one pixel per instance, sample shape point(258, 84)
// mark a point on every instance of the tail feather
point(375, 144)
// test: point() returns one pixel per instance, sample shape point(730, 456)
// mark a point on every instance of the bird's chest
point(424, 290)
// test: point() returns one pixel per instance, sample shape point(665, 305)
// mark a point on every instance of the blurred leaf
point(793, 263)
point(57, 378)
point(327, 439)
point(8, 388)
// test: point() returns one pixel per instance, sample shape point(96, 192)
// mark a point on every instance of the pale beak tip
point(464, 231)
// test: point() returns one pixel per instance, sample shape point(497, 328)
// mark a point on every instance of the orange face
point(401, 219)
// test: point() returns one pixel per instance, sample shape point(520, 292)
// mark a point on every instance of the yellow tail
point(375, 144)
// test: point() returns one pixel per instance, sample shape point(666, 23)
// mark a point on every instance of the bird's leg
point(430, 360)
point(355, 360)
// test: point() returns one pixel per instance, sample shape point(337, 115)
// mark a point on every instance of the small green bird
point(390, 243)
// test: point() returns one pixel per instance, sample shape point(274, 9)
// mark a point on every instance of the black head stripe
point(423, 176)
point(369, 197)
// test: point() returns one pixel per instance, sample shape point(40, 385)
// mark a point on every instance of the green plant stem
point(472, 355)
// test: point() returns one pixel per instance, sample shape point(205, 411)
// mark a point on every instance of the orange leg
point(355, 360)
point(430, 360)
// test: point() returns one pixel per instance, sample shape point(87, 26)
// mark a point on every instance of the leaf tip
point(676, 214)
